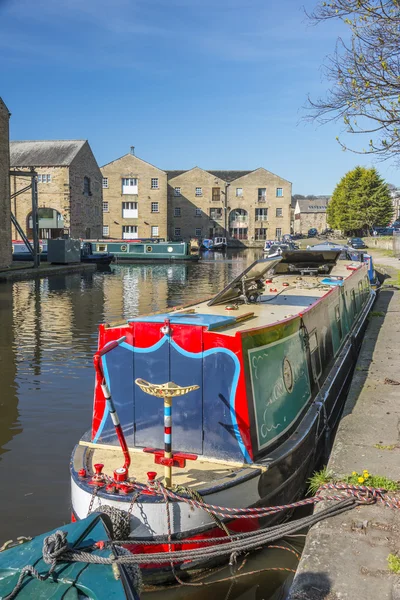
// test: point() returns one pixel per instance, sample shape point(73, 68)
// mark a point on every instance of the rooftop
point(44, 153)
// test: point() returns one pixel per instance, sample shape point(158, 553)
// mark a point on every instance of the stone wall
point(5, 216)
point(86, 215)
point(130, 166)
point(305, 221)
point(54, 194)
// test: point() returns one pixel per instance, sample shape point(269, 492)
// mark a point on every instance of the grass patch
point(319, 478)
point(375, 481)
point(376, 313)
point(393, 563)
point(385, 447)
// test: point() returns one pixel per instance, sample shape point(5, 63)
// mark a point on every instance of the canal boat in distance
point(20, 252)
point(207, 244)
point(145, 250)
point(255, 377)
point(219, 243)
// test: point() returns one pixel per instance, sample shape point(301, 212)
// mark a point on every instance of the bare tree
point(365, 73)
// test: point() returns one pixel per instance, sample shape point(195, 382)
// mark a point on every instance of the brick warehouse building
point(5, 213)
point(141, 200)
point(69, 188)
point(134, 199)
point(248, 206)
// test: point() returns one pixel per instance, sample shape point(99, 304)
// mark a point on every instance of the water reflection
point(48, 334)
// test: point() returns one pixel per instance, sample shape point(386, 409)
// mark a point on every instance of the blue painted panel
point(187, 411)
point(222, 438)
point(151, 366)
point(118, 371)
point(187, 319)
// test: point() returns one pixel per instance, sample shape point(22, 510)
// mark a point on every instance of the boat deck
point(195, 475)
point(287, 301)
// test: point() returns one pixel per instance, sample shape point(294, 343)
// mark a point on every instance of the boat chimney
point(133, 150)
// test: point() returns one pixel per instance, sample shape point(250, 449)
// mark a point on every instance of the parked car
point(357, 243)
point(312, 232)
point(384, 230)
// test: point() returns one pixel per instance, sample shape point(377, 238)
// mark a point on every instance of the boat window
point(124, 248)
point(316, 364)
point(149, 249)
point(353, 302)
point(338, 321)
point(101, 247)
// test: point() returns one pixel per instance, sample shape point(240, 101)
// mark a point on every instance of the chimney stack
point(133, 150)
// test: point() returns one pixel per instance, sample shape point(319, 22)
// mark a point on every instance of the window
point(86, 186)
point(316, 365)
point(105, 182)
point(216, 194)
point(216, 214)
point(177, 191)
point(129, 232)
point(199, 191)
point(338, 321)
point(261, 214)
point(262, 194)
point(105, 230)
point(278, 232)
point(279, 192)
point(177, 211)
point(154, 183)
point(177, 231)
point(198, 231)
point(154, 231)
point(129, 185)
point(154, 207)
point(279, 212)
point(44, 178)
point(197, 212)
point(260, 233)
point(129, 210)
point(239, 191)
point(105, 206)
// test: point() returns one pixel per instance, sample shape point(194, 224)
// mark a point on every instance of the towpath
point(346, 557)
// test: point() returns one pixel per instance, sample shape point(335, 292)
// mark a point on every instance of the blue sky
point(214, 83)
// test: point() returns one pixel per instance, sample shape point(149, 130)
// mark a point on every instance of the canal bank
point(20, 272)
point(346, 557)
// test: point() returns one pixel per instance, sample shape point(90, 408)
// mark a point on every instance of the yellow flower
point(361, 480)
point(366, 474)
point(354, 473)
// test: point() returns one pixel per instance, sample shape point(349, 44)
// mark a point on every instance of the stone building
point(244, 206)
point(5, 215)
point(309, 213)
point(69, 185)
point(134, 199)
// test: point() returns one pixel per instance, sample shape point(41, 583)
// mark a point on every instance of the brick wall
point(187, 202)
point(5, 216)
point(147, 198)
point(53, 194)
point(86, 217)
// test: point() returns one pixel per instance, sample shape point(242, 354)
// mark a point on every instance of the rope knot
point(54, 546)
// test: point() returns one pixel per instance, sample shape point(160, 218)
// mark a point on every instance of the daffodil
point(354, 473)
point(361, 480)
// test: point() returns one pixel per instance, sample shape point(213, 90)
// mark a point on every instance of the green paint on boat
point(280, 385)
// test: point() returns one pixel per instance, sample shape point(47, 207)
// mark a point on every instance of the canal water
point(48, 335)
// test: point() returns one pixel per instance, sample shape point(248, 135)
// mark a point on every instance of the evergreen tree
point(361, 201)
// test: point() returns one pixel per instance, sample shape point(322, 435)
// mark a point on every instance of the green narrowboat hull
point(143, 251)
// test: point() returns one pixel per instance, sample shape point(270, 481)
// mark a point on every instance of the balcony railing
point(240, 219)
point(261, 199)
point(261, 218)
point(217, 217)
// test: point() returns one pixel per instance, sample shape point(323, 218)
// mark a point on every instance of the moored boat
point(219, 243)
point(152, 250)
point(235, 395)
point(207, 244)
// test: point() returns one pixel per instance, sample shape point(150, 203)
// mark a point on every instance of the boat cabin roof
point(275, 290)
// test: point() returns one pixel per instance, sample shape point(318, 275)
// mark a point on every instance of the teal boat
point(68, 580)
point(151, 250)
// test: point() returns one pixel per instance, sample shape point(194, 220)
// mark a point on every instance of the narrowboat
point(348, 253)
point(20, 252)
point(228, 400)
point(152, 250)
